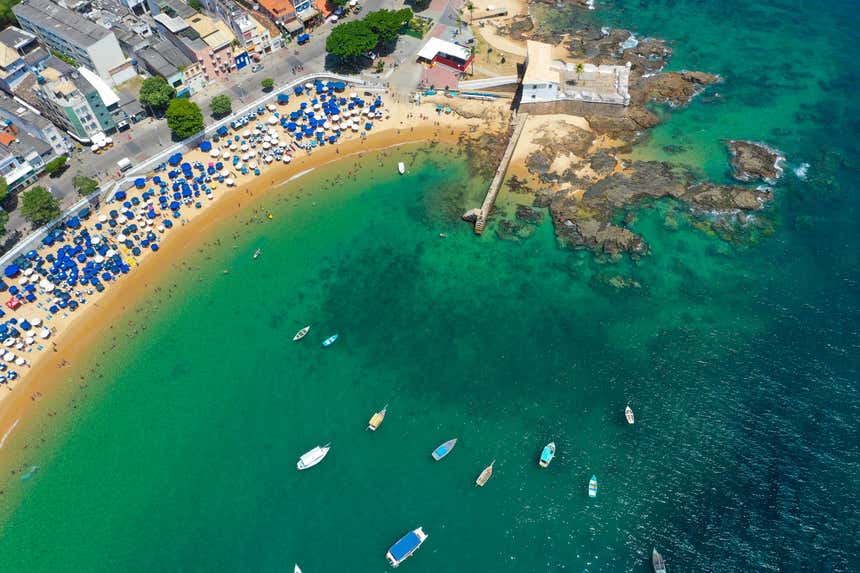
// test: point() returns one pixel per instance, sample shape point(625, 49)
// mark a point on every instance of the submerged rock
point(753, 161)
point(529, 215)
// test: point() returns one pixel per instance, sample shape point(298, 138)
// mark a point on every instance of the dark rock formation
point(529, 215)
point(755, 161)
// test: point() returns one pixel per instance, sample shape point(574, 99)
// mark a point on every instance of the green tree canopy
point(4, 218)
point(184, 118)
point(267, 83)
point(38, 206)
point(339, 2)
point(85, 185)
point(6, 16)
point(156, 93)
point(351, 39)
point(56, 165)
point(221, 105)
point(386, 24)
point(195, 4)
point(4, 188)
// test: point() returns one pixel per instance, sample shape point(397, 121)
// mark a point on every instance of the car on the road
point(257, 67)
point(339, 11)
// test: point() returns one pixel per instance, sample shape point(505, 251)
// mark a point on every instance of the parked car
point(339, 11)
point(257, 67)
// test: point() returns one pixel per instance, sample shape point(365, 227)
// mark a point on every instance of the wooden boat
point(257, 253)
point(628, 413)
point(401, 167)
point(405, 546)
point(302, 333)
point(444, 449)
point(592, 487)
point(313, 457)
point(485, 475)
point(657, 561)
point(330, 340)
point(376, 419)
point(547, 455)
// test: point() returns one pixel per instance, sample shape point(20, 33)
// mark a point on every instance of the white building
point(546, 80)
point(72, 35)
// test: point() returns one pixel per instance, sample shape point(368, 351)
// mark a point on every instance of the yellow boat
point(376, 420)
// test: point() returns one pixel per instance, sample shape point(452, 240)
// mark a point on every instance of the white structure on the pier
point(547, 80)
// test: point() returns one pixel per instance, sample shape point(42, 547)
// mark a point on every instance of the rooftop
point(62, 21)
point(16, 38)
point(14, 109)
point(163, 58)
point(214, 32)
point(436, 46)
point(173, 24)
point(277, 8)
point(107, 95)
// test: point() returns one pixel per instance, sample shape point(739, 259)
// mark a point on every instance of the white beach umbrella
point(28, 272)
point(46, 332)
point(36, 321)
point(29, 340)
point(96, 240)
point(121, 219)
point(252, 165)
point(246, 133)
point(19, 345)
point(353, 94)
point(239, 165)
point(160, 228)
point(245, 147)
point(268, 159)
point(317, 106)
point(99, 259)
point(103, 218)
point(256, 131)
point(20, 361)
point(121, 238)
point(309, 85)
point(9, 341)
point(271, 107)
point(23, 280)
point(287, 159)
point(267, 145)
point(110, 253)
point(233, 147)
point(335, 117)
point(230, 182)
point(214, 153)
point(326, 125)
point(225, 173)
point(273, 120)
point(9, 357)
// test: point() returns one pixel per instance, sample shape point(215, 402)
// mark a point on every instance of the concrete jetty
point(479, 216)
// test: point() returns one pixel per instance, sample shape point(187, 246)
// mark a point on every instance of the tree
point(221, 106)
point(579, 70)
point(268, 84)
point(56, 166)
point(340, 2)
point(471, 8)
point(386, 24)
point(38, 206)
point(351, 39)
point(4, 189)
point(195, 4)
point(184, 118)
point(85, 185)
point(156, 93)
point(4, 218)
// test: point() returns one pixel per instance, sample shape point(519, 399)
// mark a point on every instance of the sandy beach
point(74, 333)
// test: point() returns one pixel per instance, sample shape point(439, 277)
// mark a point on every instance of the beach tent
point(222, 131)
point(11, 271)
point(175, 159)
point(283, 98)
point(13, 303)
point(205, 146)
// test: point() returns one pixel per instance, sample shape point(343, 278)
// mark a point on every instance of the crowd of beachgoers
point(95, 248)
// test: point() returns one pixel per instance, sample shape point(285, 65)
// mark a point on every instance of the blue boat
point(405, 547)
point(330, 340)
point(547, 455)
point(444, 449)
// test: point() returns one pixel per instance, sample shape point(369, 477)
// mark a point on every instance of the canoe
point(405, 547)
point(330, 340)
point(628, 413)
point(376, 419)
point(401, 167)
point(657, 561)
point(485, 475)
point(592, 487)
point(547, 455)
point(313, 457)
point(302, 333)
point(444, 449)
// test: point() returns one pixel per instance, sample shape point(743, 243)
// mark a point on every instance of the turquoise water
point(739, 357)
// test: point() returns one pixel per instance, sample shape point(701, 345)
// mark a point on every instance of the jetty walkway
point(480, 215)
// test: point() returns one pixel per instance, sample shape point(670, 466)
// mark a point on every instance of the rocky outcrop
point(674, 88)
point(755, 161)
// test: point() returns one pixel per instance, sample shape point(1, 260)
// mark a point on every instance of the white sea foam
point(629, 43)
point(801, 170)
point(9, 431)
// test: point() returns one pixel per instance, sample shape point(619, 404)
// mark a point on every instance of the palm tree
point(471, 8)
point(580, 69)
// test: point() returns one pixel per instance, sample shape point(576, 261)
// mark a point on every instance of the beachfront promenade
point(32, 240)
point(481, 215)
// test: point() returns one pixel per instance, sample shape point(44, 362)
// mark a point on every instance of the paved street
point(148, 137)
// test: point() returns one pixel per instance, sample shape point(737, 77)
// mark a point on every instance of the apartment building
point(28, 120)
point(22, 157)
point(19, 53)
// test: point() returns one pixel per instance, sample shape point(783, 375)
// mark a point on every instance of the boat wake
point(9, 431)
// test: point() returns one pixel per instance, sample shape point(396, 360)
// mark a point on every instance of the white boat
point(657, 561)
point(628, 413)
point(444, 449)
point(296, 569)
point(301, 334)
point(547, 455)
point(401, 167)
point(376, 419)
point(485, 475)
point(313, 457)
point(406, 546)
point(257, 253)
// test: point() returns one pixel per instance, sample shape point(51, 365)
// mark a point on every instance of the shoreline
point(80, 332)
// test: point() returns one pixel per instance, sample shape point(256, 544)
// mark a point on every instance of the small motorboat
point(313, 457)
point(592, 487)
point(330, 340)
point(628, 413)
point(444, 449)
point(302, 333)
point(547, 455)
point(376, 419)
point(657, 561)
point(405, 547)
point(401, 167)
point(296, 569)
point(257, 253)
point(485, 475)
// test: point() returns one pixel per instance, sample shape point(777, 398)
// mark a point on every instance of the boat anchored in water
point(406, 546)
point(592, 487)
point(401, 167)
point(302, 333)
point(313, 457)
point(444, 449)
point(657, 561)
point(330, 340)
point(628, 413)
point(485, 475)
point(257, 253)
point(376, 419)
point(296, 569)
point(547, 455)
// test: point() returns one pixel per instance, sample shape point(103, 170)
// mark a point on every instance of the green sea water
point(739, 357)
